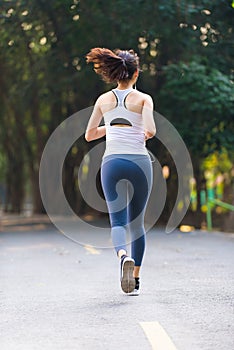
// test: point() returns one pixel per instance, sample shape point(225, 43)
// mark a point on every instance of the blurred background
point(186, 53)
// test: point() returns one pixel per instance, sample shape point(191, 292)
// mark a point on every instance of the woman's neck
point(125, 86)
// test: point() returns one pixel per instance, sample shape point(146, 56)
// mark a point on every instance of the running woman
point(126, 170)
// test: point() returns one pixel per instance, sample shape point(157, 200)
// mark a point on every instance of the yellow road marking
point(157, 336)
point(91, 249)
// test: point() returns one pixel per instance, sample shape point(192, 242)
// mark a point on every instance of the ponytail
point(113, 66)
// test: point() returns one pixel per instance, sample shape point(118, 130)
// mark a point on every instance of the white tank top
point(124, 140)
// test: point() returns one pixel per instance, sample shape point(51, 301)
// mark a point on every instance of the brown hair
point(115, 65)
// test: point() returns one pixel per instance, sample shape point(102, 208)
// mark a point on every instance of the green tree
point(44, 77)
point(198, 100)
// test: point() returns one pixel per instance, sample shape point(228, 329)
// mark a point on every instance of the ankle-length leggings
point(127, 182)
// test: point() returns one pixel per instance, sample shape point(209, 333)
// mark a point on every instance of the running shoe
point(127, 280)
point(136, 290)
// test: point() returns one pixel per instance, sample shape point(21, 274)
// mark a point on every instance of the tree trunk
point(228, 222)
point(15, 190)
point(199, 216)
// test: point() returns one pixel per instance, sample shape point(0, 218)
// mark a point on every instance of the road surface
point(58, 295)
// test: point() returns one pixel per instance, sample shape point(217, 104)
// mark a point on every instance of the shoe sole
point(128, 281)
point(135, 293)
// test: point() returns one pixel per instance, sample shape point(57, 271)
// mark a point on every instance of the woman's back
point(134, 101)
point(124, 126)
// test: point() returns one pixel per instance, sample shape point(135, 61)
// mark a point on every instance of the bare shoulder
point(147, 98)
point(104, 98)
point(143, 95)
point(141, 98)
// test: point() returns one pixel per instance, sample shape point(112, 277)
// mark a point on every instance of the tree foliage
point(186, 53)
point(202, 98)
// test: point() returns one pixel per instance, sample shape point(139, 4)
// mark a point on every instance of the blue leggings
point(127, 182)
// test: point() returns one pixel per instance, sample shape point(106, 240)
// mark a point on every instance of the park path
point(58, 295)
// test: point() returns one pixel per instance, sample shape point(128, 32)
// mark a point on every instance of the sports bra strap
point(121, 96)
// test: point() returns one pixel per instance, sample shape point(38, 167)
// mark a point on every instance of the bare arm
point(148, 118)
point(94, 131)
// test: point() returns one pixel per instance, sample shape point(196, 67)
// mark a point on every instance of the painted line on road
point(157, 336)
point(91, 249)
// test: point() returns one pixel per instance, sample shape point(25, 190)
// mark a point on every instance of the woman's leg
point(142, 184)
point(115, 191)
point(113, 174)
point(116, 174)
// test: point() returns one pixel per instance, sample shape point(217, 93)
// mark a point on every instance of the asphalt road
point(58, 295)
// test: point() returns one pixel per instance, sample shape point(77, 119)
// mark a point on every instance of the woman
point(126, 171)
